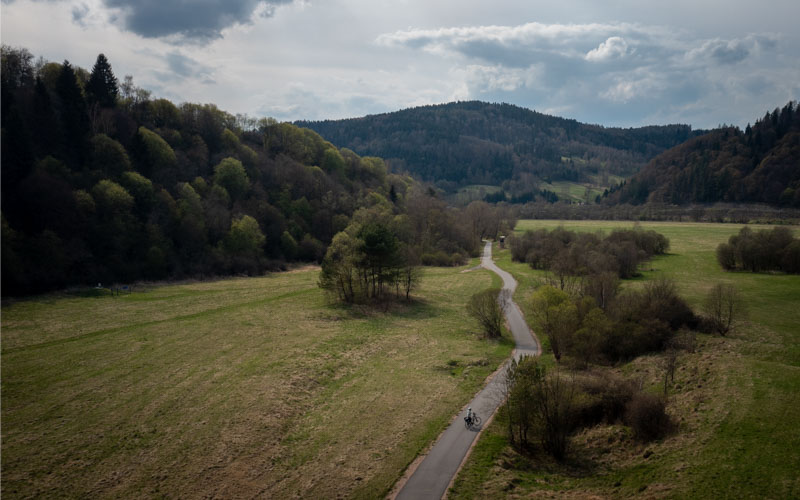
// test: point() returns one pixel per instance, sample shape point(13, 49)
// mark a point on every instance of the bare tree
point(670, 363)
point(540, 403)
point(522, 377)
point(724, 306)
point(555, 396)
point(556, 316)
point(487, 308)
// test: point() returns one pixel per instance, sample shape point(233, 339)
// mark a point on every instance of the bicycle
point(472, 421)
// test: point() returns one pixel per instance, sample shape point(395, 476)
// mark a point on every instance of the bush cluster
point(548, 407)
point(367, 262)
point(645, 414)
point(755, 251)
point(632, 323)
point(607, 398)
point(442, 258)
point(580, 254)
point(485, 307)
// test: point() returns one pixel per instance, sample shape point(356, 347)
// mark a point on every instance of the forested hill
point(481, 143)
point(103, 183)
point(758, 165)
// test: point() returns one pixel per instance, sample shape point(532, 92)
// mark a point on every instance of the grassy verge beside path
point(735, 400)
point(243, 387)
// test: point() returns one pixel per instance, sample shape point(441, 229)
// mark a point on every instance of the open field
point(566, 190)
point(735, 399)
point(234, 388)
point(573, 191)
point(467, 194)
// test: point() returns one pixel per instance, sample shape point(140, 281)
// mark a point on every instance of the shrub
point(646, 414)
point(761, 251)
point(541, 403)
point(578, 254)
point(605, 398)
point(439, 258)
point(485, 307)
point(726, 256)
point(790, 260)
point(724, 306)
point(662, 302)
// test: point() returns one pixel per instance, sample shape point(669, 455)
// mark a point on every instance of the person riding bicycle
point(468, 418)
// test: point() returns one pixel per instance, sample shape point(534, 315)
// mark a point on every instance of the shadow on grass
point(416, 308)
point(536, 461)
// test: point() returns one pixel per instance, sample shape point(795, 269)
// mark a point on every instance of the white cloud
point(632, 63)
point(614, 47)
point(625, 70)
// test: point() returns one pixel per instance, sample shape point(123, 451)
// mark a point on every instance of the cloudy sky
point(612, 62)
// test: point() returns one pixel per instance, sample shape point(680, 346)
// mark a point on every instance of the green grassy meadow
point(467, 194)
point(566, 190)
point(251, 387)
point(735, 400)
point(573, 191)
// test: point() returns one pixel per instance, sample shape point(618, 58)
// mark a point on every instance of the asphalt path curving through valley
point(434, 474)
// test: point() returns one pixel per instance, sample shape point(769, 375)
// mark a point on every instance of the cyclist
point(468, 418)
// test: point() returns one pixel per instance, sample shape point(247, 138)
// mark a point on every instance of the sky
point(611, 62)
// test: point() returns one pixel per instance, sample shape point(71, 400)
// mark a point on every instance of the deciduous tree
point(724, 306)
point(485, 307)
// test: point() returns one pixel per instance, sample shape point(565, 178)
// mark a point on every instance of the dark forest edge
point(520, 153)
point(104, 184)
point(754, 165)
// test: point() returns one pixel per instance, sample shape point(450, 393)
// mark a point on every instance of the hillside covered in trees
point(758, 165)
point(103, 183)
point(474, 142)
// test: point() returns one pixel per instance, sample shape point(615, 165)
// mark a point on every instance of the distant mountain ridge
point(758, 165)
point(475, 142)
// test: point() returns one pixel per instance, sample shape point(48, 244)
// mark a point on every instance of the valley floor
point(735, 399)
point(234, 388)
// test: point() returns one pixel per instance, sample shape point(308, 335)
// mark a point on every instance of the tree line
point(755, 165)
point(717, 212)
point(570, 254)
point(763, 250)
point(474, 142)
point(102, 182)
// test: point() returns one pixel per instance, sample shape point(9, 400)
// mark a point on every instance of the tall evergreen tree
point(45, 127)
point(74, 117)
point(102, 88)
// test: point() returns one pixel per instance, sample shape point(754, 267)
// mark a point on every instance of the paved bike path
point(431, 478)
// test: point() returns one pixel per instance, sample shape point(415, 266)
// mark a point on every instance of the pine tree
point(45, 126)
point(102, 87)
point(74, 117)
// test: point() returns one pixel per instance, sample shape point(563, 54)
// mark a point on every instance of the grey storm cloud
point(195, 20)
point(182, 66)
point(79, 13)
point(730, 53)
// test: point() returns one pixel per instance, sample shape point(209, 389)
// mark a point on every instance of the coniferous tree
point(74, 117)
point(45, 126)
point(102, 88)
